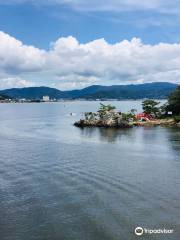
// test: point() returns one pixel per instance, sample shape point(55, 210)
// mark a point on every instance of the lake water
point(59, 182)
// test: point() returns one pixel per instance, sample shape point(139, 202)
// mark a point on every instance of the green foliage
point(174, 102)
point(163, 108)
point(127, 116)
point(3, 97)
point(131, 114)
point(162, 111)
point(133, 111)
point(104, 109)
point(177, 118)
point(151, 107)
point(107, 108)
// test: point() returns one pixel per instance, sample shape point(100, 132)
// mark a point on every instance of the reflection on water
point(174, 138)
point(62, 182)
point(105, 134)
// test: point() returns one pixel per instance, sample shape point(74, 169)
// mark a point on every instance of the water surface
point(62, 182)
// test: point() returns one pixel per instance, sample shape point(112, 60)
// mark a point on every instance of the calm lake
point(59, 182)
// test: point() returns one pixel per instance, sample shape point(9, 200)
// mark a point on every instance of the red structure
point(143, 117)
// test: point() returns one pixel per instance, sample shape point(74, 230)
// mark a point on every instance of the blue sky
point(40, 24)
point(47, 26)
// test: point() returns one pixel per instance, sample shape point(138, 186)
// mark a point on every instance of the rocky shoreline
point(86, 123)
point(151, 123)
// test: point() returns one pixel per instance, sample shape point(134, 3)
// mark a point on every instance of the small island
point(152, 115)
point(106, 116)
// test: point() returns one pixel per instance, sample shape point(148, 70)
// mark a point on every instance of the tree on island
point(174, 102)
point(104, 109)
point(133, 111)
point(151, 107)
point(107, 108)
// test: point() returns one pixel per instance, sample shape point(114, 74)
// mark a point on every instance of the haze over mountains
point(157, 90)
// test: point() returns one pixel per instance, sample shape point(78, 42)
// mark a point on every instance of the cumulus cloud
point(15, 82)
point(70, 64)
point(15, 57)
point(123, 62)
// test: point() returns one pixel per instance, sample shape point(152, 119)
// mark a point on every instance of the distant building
point(45, 98)
point(22, 100)
point(169, 113)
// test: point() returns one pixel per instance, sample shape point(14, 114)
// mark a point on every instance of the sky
point(72, 44)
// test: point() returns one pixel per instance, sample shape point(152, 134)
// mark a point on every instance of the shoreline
point(76, 100)
point(158, 122)
point(151, 123)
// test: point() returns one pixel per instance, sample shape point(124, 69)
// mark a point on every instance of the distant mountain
point(137, 91)
point(3, 97)
point(33, 93)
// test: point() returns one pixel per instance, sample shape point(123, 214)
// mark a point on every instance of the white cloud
point(70, 64)
point(14, 56)
point(15, 82)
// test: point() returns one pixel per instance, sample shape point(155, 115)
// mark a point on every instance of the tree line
point(171, 108)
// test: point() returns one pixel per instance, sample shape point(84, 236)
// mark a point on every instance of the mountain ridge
point(157, 90)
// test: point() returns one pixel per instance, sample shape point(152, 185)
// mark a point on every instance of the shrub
point(177, 118)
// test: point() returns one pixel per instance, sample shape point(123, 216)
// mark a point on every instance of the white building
point(45, 98)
